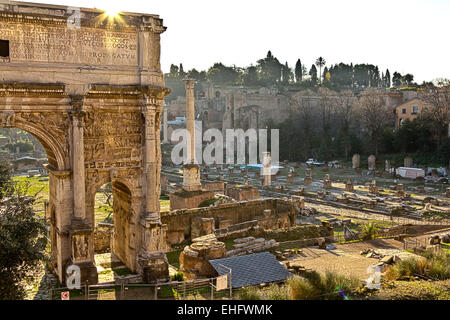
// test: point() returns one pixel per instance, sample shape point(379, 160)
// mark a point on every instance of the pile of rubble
point(248, 245)
point(295, 267)
point(286, 254)
point(383, 260)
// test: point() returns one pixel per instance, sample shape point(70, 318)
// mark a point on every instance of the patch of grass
point(174, 258)
point(249, 293)
point(330, 286)
point(429, 265)
point(179, 276)
point(369, 231)
point(208, 202)
point(164, 205)
point(276, 292)
point(36, 188)
point(122, 271)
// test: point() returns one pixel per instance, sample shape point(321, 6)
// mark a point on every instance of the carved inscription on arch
point(52, 43)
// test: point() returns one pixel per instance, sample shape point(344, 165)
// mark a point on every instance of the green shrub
point(179, 276)
point(316, 286)
point(334, 283)
point(430, 265)
point(301, 289)
point(369, 231)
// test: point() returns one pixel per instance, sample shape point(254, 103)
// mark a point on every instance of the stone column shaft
point(79, 185)
point(150, 161)
point(190, 117)
point(165, 138)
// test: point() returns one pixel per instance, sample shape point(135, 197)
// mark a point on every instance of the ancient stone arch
point(96, 109)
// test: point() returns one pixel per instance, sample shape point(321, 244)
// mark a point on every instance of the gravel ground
point(347, 260)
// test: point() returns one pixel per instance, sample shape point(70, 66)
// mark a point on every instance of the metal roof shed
point(252, 269)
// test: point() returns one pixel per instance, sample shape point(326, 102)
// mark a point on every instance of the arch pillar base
point(154, 267)
point(152, 261)
point(82, 238)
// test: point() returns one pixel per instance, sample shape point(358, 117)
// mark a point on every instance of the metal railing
point(199, 289)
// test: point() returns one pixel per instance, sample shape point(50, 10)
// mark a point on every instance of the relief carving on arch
point(7, 119)
point(113, 140)
point(57, 124)
point(80, 247)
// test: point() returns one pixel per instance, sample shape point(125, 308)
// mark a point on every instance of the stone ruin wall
point(179, 222)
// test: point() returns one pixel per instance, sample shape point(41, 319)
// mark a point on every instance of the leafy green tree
point(250, 76)
point(269, 69)
point(22, 238)
point(24, 146)
point(222, 74)
point(298, 71)
point(397, 79)
point(194, 74)
point(286, 74)
point(408, 79)
point(313, 74)
point(173, 73)
point(387, 81)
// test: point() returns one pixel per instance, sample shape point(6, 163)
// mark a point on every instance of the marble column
point(267, 170)
point(151, 162)
point(165, 138)
point(191, 170)
point(190, 117)
point(79, 185)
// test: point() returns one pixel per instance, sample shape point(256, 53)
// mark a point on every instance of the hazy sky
point(406, 36)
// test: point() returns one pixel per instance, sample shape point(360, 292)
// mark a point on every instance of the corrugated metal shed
point(252, 269)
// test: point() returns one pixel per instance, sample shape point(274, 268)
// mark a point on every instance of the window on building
point(415, 109)
point(400, 122)
point(404, 111)
point(4, 48)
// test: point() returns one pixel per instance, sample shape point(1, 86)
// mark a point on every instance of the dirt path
point(347, 260)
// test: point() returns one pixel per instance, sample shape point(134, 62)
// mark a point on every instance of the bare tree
point(374, 114)
point(345, 107)
point(303, 105)
point(438, 109)
point(327, 105)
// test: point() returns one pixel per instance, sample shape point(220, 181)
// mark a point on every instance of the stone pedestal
point(356, 161)
point(155, 267)
point(371, 162)
point(327, 184)
point(191, 177)
point(349, 186)
point(82, 236)
point(194, 260)
point(290, 178)
point(267, 170)
point(387, 166)
point(308, 178)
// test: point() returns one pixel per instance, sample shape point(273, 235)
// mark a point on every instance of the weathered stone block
point(194, 258)
point(201, 226)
